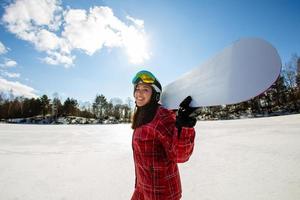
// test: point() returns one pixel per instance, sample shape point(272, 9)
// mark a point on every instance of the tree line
point(20, 107)
point(283, 97)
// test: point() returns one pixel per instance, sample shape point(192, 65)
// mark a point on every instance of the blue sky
point(57, 46)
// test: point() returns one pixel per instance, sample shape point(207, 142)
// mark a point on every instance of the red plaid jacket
point(156, 152)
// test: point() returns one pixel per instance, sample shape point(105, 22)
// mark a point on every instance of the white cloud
point(9, 63)
point(100, 28)
point(91, 31)
point(11, 75)
point(55, 58)
point(36, 22)
point(17, 89)
point(46, 40)
point(57, 32)
point(3, 49)
point(27, 15)
point(137, 22)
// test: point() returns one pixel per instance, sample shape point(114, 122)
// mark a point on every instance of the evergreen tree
point(3, 106)
point(45, 101)
point(27, 109)
point(100, 106)
point(2, 98)
point(36, 106)
point(70, 107)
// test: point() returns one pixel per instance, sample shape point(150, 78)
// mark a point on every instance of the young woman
point(160, 141)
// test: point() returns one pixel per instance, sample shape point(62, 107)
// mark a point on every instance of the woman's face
point(142, 94)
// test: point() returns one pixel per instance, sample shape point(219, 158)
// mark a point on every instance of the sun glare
point(136, 47)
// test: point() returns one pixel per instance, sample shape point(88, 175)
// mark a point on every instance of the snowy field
point(250, 159)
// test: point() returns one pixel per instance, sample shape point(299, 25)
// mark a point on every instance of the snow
point(235, 159)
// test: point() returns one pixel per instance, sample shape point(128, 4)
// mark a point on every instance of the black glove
point(183, 118)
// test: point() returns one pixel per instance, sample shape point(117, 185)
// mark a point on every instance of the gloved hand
point(183, 118)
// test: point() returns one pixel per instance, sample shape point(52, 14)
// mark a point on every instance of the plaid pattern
point(156, 152)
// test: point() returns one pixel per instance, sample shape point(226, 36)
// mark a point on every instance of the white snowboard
point(240, 72)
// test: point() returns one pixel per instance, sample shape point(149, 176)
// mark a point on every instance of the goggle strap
point(156, 88)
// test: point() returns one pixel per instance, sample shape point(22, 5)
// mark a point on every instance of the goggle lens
point(145, 77)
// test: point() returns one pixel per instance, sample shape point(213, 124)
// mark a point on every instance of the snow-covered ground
point(250, 159)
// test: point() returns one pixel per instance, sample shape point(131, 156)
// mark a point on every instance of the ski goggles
point(145, 77)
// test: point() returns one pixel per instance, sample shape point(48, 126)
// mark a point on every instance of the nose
point(137, 93)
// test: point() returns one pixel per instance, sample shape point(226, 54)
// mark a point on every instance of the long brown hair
point(145, 114)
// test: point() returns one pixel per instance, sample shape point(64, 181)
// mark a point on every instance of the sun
point(136, 45)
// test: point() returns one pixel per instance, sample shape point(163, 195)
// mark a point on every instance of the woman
point(160, 141)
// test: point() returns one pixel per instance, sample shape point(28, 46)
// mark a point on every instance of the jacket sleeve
point(185, 144)
point(177, 149)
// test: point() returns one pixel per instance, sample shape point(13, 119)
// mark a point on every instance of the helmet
point(148, 78)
